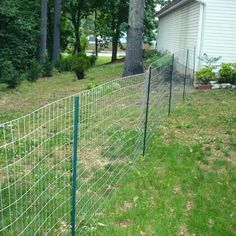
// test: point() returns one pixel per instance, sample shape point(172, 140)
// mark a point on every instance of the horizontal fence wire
point(36, 150)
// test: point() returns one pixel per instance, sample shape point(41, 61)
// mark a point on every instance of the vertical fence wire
point(37, 164)
point(186, 74)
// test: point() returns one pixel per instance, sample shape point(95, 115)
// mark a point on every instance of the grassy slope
point(30, 96)
point(186, 185)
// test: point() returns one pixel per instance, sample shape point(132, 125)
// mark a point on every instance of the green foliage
point(93, 60)
point(150, 21)
point(19, 32)
point(64, 63)
point(83, 43)
point(111, 21)
point(73, 13)
point(163, 61)
point(92, 84)
point(47, 67)
point(152, 55)
point(149, 53)
point(227, 73)
point(34, 72)
point(19, 39)
point(206, 74)
point(80, 63)
point(8, 74)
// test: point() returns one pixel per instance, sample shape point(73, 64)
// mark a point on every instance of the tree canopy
point(30, 31)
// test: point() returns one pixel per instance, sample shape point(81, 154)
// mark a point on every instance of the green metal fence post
point(171, 83)
point(75, 158)
point(185, 74)
point(147, 110)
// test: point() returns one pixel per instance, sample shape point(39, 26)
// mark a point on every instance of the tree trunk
point(57, 31)
point(76, 24)
point(134, 51)
point(77, 41)
point(96, 38)
point(115, 40)
point(43, 31)
point(96, 46)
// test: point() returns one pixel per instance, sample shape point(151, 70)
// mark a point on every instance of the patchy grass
point(186, 185)
point(36, 158)
point(29, 96)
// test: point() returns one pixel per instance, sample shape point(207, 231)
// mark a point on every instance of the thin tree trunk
point(57, 31)
point(115, 40)
point(77, 41)
point(43, 31)
point(50, 34)
point(76, 24)
point(96, 38)
point(134, 51)
point(96, 45)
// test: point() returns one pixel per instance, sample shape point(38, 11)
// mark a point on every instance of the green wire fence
point(60, 164)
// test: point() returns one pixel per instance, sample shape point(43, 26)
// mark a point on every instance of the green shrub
point(83, 42)
point(8, 74)
point(227, 73)
point(34, 72)
point(92, 60)
point(19, 32)
point(205, 74)
point(92, 84)
point(164, 65)
point(64, 63)
point(47, 67)
point(164, 60)
point(152, 55)
point(153, 59)
point(80, 63)
point(149, 53)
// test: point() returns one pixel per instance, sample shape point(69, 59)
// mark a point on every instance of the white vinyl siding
point(179, 31)
point(220, 29)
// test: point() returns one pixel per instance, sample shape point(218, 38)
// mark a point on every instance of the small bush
point(64, 63)
point(92, 60)
point(161, 60)
point(92, 84)
point(83, 43)
point(47, 67)
point(80, 63)
point(149, 53)
point(34, 72)
point(152, 55)
point(205, 75)
point(227, 73)
point(8, 74)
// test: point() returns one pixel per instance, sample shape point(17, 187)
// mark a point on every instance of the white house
point(209, 26)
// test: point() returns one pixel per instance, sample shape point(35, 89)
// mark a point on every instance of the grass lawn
point(30, 96)
point(186, 185)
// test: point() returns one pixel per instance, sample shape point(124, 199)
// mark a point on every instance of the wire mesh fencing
point(60, 164)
